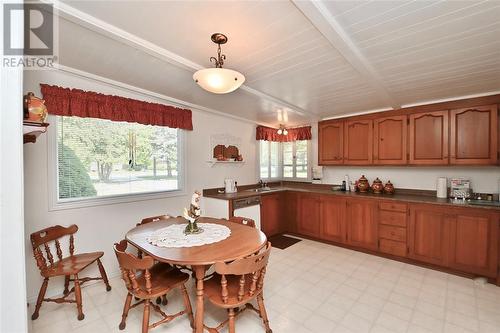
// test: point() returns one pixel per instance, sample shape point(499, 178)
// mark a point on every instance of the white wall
point(102, 226)
point(13, 317)
point(483, 179)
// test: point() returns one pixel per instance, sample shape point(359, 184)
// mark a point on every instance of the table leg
point(200, 274)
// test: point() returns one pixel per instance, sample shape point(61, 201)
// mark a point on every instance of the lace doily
point(173, 235)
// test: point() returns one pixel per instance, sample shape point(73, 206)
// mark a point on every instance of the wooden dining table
point(243, 241)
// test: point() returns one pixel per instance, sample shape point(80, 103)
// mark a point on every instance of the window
point(100, 158)
point(293, 156)
point(269, 159)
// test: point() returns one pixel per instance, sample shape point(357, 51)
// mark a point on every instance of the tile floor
point(314, 287)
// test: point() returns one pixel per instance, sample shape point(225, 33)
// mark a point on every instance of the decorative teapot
point(363, 184)
point(389, 188)
point(377, 186)
point(34, 108)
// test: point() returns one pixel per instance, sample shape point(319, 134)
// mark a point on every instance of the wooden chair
point(146, 281)
point(163, 300)
point(64, 266)
point(236, 284)
point(242, 220)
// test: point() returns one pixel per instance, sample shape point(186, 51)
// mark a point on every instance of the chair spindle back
point(130, 265)
point(251, 270)
point(242, 220)
point(45, 237)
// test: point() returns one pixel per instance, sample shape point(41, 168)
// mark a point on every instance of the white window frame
point(280, 164)
point(53, 178)
point(294, 165)
point(278, 177)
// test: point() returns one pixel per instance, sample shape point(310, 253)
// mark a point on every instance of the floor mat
point(282, 241)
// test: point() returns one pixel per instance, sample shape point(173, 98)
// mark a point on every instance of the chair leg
point(187, 305)
point(66, 285)
point(39, 300)
point(231, 321)
point(103, 274)
point(145, 317)
point(78, 296)
point(126, 308)
point(263, 313)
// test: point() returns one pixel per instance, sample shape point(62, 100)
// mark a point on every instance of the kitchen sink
point(483, 203)
point(262, 189)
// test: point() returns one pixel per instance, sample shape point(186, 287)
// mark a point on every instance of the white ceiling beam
point(99, 26)
point(327, 25)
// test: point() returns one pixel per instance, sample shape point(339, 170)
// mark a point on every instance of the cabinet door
point(333, 227)
point(428, 235)
point(474, 242)
point(474, 133)
point(358, 148)
point(331, 143)
point(361, 224)
point(389, 140)
point(270, 214)
point(429, 138)
point(308, 219)
point(291, 212)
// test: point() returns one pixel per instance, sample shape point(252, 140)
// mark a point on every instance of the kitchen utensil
point(230, 185)
point(442, 187)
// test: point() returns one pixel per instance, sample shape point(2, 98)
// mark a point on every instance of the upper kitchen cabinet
point(428, 134)
point(389, 140)
point(330, 143)
point(358, 138)
point(474, 135)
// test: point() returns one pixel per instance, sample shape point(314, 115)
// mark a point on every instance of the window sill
point(113, 200)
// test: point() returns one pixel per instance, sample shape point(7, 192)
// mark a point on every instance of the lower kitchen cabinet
point(271, 213)
point(361, 223)
point(308, 219)
point(332, 217)
point(290, 212)
point(474, 242)
point(429, 230)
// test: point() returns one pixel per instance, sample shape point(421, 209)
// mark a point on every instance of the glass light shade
point(280, 131)
point(285, 132)
point(219, 80)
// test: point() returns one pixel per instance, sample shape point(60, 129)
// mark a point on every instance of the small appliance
point(460, 188)
point(442, 187)
point(230, 185)
point(317, 174)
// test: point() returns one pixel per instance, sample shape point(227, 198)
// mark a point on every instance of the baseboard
point(57, 289)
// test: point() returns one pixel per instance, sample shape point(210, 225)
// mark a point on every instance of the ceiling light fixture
point(282, 130)
point(218, 80)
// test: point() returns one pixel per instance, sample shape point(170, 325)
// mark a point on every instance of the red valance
point(294, 134)
point(88, 104)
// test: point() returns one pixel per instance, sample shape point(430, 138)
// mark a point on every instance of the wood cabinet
point(271, 213)
point(358, 138)
point(474, 242)
point(331, 143)
point(428, 136)
point(361, 223)
point(291, 211)
point(333, 219)
point(474, 135)
point(429, 229)
point(308, 219)
point(389, 140)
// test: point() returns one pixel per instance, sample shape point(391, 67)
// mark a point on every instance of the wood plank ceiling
point(308, 60)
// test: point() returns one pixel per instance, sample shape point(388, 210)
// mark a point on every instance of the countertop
point(403, 195)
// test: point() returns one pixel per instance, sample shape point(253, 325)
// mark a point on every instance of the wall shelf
point(32, 130)
point(213, 162)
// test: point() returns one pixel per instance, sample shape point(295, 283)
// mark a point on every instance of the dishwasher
point(248, 207)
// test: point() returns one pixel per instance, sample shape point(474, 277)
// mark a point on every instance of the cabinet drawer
point(393, 233)
point(393, 206)
point(393, 247)
point(392, 218)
